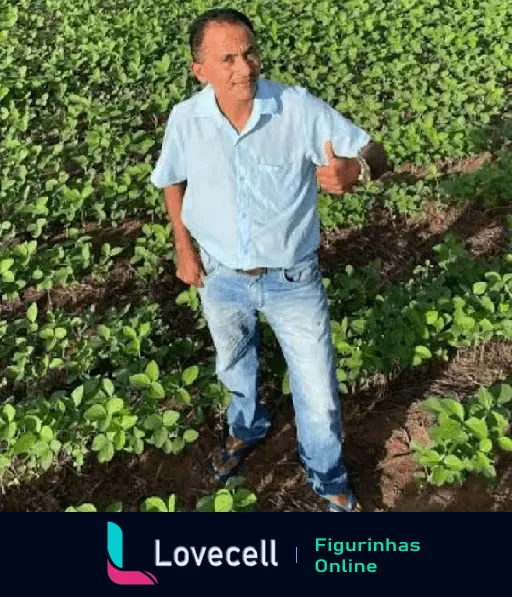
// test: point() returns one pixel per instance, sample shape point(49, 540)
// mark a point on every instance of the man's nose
point(244, 67)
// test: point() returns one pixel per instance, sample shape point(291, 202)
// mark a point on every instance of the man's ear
point(197, 70)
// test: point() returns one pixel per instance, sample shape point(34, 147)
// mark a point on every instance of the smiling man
point(239, 166)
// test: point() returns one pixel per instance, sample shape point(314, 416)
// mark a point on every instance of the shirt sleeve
point(323, 123)
point(170, 167)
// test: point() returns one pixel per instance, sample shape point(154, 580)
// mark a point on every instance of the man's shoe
point(350, 504)
point(228, 458)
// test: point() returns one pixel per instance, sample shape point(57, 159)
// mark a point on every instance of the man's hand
point(189, 268)
point(340, 174)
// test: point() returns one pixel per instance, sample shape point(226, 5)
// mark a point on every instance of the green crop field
point(108, 396)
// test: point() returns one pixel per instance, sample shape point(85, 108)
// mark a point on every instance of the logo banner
point(111, 552)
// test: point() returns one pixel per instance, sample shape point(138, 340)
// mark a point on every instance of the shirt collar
point(264, 101)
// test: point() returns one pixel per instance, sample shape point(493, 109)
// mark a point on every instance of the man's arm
point(173, 202)
point(188, 267)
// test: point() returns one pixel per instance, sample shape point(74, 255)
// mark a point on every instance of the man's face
point(230, 61)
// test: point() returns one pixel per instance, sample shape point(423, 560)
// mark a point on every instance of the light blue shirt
point(251, 197)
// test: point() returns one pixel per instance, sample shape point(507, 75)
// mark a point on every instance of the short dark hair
point(217, 15)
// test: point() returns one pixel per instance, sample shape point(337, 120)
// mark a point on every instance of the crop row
point(86, 88)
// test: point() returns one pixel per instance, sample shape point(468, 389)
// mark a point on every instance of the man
point(238, 166)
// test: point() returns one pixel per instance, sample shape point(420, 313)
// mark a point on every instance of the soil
point(380, 418)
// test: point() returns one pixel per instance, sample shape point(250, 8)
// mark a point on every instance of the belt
point(257, 271)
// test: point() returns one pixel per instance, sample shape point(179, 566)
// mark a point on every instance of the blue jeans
point(294, 303)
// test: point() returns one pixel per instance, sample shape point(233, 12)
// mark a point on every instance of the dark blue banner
point(416, 553)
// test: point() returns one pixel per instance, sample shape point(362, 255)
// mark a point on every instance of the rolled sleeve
point(170, 167)
point(323, 123)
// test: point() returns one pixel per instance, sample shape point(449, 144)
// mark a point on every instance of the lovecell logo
point(115, 561)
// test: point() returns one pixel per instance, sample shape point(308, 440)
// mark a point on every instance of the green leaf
point(286, 389)
point(206, 504)
point(40, 448)
point(98, 442)
point(185, 396)
point(177, 445)
point(423, 352)
point(170, 417)
point(431, 317)
point(244, 498)
point(140, 380)
point(485, 445)
point(453, 463)
point(479, 288)
point(503, 393)
point(358, 325)
point(448, 431)
point(8, 412)
point(46, 434)
point(478, 427)
point(432, 405)
point(160, 436)
point(190, 436)
point(106, 453)
point(8, 431)
point(129, 332)
point(13, 373)
point(120, 440)
point(223, 501)
point(453, 407)
point(24, 443)
point(108, 386)
point(498, 421)
point(480, 462)
point(157, 391)
point(144, 328)
point(95, 413)
point(5, 265)
point(114, 405)
point(490, 471)
point(104, 332)
point(86, 508)
point(114, 507)
point(153, 422)
point(138, 446)
point(429, 458)
point(77, 395)
point(152, 371)
point(190, 375)
point(505, 443)
point(153, 504)
point(468, 323)
point(485, 398)
point(439, 476)
point(128, 421)
point(60, 333)
point(172, 503)
point(32, 313)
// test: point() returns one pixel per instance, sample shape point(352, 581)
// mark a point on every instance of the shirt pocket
point(278, 185)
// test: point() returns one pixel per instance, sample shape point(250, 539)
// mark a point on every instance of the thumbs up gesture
point(339, 175)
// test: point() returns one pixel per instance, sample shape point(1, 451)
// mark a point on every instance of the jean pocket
point(302, 273)
point(210, 264)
